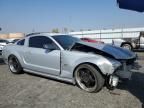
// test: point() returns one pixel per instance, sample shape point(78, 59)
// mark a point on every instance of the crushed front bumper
point(125, 71)
point(124, 74)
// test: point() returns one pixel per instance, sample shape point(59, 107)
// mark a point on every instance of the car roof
point(44, 33)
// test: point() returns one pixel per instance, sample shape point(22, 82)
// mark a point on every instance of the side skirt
point(50, 76)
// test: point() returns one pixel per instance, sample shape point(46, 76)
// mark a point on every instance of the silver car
point(66, 58)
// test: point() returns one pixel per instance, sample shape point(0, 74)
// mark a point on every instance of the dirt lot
point(29, 91)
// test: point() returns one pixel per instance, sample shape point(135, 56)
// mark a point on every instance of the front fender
point(104, 64)
point(71, 59)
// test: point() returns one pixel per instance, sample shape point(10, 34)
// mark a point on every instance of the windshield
point(66, 41)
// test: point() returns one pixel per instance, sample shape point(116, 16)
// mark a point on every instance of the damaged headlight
point(115, 64)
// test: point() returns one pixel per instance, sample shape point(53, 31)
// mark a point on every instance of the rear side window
point(40, 41)
point(21, 42)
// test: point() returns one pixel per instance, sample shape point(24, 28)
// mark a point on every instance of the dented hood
point(106, 49)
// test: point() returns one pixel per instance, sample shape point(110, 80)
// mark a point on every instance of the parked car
point(91, 40)
point(131, 43)
point(66, 58)
point(3, 42)
point(13, 40)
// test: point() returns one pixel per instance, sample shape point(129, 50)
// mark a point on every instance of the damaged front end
point(124, 57)
point(122, 73)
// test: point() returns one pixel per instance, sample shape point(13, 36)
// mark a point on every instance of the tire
point(127, 46)
point(14, 65)
point(88, 78)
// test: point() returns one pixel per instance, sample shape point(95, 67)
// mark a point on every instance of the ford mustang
point(88, 65)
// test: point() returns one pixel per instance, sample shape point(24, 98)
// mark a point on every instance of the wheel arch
point(126, 43)
point(10, 56)
point(16, 55)
point(92, 64)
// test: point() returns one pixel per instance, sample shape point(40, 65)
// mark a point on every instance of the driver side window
point(40, 42)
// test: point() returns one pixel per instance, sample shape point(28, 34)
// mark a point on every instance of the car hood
point(107, 50)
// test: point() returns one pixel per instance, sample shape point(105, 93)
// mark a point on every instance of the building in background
point(12, 36)
point(129, 38)
point(107, 35)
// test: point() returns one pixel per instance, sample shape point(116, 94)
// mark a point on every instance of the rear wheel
point(14, 65)
point(127, 46)
point(88, 78)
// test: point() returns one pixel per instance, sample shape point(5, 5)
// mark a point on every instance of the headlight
point(115, 66)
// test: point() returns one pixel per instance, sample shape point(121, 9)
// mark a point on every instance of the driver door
point(39, 59)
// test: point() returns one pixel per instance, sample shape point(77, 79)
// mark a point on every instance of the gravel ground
point(29, 91)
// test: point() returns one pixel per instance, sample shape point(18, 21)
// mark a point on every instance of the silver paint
point(38, 61)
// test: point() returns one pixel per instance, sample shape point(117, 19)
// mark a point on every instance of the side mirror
point(49, 47)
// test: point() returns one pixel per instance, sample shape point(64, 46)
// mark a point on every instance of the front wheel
point(88, 78)
point(14, 65)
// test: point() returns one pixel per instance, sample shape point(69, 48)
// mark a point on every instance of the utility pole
point(33, 30)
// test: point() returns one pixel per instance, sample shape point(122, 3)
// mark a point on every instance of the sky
point(44, 15)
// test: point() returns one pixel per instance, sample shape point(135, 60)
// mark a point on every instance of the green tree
point(71, 30)
point(56, 30)
point(65, 30)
